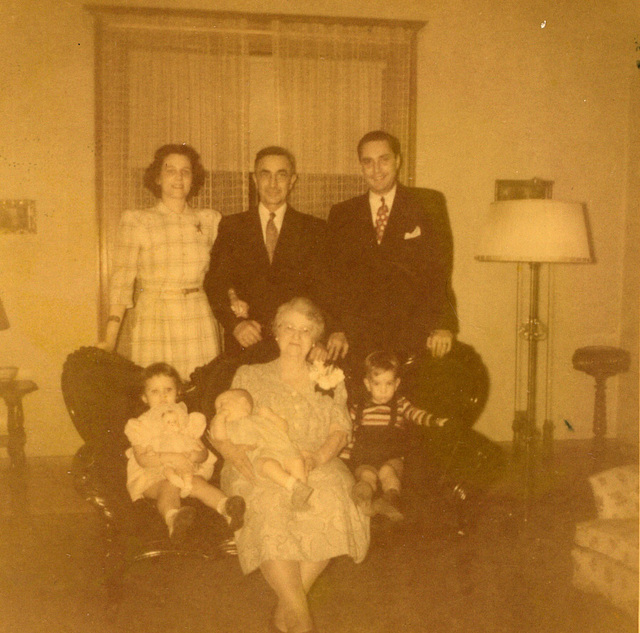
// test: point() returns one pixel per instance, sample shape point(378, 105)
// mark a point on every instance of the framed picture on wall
point(17, 216)
point(523, 189)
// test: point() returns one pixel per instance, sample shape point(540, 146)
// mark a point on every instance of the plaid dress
point(167, 254)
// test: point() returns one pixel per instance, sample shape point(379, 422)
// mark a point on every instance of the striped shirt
point(372, 414)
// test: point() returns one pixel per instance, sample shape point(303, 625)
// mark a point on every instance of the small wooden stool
point(12, 393)
point(600, 361)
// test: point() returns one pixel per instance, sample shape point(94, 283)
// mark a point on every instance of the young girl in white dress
point(167, 476)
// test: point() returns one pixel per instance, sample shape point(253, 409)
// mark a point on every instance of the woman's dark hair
point(161, 369)
point(152, 172)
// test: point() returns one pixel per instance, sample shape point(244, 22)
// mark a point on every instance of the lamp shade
point(534, 230)
point(4, 321)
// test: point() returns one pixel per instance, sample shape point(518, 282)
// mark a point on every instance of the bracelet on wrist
point(115, 318)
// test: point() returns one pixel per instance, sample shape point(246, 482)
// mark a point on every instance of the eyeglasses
point(290, 329)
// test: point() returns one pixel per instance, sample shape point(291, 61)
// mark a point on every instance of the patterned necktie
point(271, 236)
point(381, 220)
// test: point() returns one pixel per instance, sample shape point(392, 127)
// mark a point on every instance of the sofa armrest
point(91, 486)
point(616, 492)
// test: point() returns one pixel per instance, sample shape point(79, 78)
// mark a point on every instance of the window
point(229, 84)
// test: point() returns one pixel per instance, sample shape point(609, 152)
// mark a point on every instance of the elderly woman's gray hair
point(307, 308)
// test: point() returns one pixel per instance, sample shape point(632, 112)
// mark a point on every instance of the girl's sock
point(181, 521)
point(169, 517)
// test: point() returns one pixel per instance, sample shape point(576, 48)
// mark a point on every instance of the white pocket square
point(415, 233)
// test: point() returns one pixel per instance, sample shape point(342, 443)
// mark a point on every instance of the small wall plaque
point(17, 216)
point(523, 189)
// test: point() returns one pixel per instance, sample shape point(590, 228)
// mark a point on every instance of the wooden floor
point(48, 489)
point(511, 575)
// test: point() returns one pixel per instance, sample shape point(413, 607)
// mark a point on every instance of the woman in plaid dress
point(165, 250)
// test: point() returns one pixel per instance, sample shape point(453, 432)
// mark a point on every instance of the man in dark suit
point(267, 255)
point(390, 258)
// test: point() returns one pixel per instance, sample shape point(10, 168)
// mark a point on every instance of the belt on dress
point(177, 291)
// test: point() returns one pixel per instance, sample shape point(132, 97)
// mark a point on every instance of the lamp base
point(528, 446)
point(524, 437)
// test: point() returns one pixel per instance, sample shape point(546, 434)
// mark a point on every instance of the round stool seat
point(601, 361)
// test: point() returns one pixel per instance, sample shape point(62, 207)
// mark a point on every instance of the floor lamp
point(533, 231)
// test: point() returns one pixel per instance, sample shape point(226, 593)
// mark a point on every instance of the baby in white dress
point(274, 457)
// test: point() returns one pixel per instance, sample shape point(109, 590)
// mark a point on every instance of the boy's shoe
point(181, 523)
point(300, 496)
point(362, 494)
point(388, 505)
point(234, 511)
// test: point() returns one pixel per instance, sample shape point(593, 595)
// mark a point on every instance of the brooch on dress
point(325, 377)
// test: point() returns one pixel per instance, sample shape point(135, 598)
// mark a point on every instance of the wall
point(627, 427)
point(48, 280)
point(540, 90)
point(505, 91)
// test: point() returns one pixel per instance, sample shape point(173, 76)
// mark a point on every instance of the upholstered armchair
point(100, 392)
point(605, 553)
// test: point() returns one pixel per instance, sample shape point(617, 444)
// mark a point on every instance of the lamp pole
point(532, 332)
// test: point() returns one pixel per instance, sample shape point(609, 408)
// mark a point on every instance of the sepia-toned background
point(505, 90)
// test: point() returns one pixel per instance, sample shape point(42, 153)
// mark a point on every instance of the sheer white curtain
point(334, 83)
point(231, 83)
point(177, 80)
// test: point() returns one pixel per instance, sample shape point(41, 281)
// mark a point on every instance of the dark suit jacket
point(391, 295)
point(239, 260)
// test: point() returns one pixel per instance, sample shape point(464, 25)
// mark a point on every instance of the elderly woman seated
point(292, 547)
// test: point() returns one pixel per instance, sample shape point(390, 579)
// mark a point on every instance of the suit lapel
point(398, 216)
point(365, 227)
point(254, 235)
point(288, 237)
